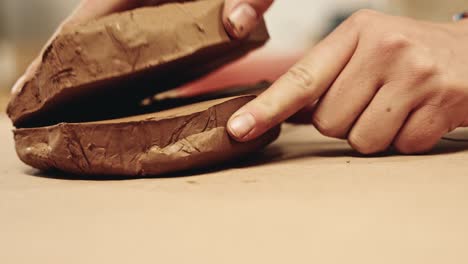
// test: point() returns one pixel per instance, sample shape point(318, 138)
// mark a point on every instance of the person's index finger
point(302, 84)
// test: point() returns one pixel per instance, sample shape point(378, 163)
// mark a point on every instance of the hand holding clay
point(241, 16)
point(377, 80)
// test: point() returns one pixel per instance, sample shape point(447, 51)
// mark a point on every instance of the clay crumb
point(200, 28)
point(348, 162)
point(250, 181)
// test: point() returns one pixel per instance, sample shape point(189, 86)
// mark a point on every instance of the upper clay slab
point(162, 46)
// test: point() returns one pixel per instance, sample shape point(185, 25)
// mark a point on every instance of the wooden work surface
point(306, 199)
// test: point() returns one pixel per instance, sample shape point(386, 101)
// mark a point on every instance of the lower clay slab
point(178, 139)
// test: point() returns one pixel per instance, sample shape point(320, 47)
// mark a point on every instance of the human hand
point(378, 81)
point(241, 16)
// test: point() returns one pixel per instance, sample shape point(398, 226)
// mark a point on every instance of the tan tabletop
point(306, 199)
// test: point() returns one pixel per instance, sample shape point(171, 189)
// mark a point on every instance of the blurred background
point(25, 25)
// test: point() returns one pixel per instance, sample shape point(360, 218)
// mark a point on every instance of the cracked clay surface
point(186, 137)
point(106, 65)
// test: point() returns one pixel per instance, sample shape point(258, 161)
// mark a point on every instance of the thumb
point(241, 16)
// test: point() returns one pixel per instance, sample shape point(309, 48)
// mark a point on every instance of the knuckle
point(265, 112)
point(408, 142)
point(393, 42)
point(447, 96)
point(363, 145)
point(453, 88)
point(422, 67)
point(405, 146)
point(301, 77)
point(423, 132)
point(325, 127)
point(361, 17)
point(412, 143)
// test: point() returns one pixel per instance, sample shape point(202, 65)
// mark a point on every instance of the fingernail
point(241, 125)
point(18, 85)
point(242, 20)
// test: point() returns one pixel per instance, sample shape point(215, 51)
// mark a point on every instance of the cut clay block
point(187, 137)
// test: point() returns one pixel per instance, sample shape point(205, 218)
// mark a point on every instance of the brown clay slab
point(182, 138)
point(118, 59)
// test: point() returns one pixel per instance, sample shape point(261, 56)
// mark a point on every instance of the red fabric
point(266, 64)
